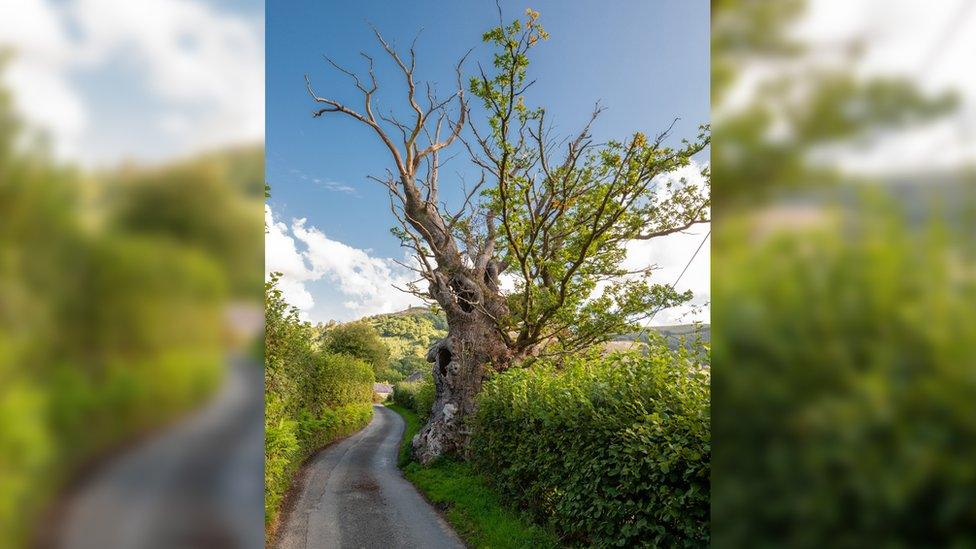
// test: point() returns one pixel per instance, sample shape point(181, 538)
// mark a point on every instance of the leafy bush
point(288, 442)
point(424, 399)
point(111, 323)
point(404, 394)
point(311, 397)
point(341, 379)
point(478, 513)
point(176, 201)
point(417, 396)
point(130, 338)
point(360, 340)
point(609, 450)
point(847, 419)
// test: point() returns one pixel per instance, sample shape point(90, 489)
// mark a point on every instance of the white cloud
point(201, 71)
point(37, 73)
point(281, 255)
point(670, 254)
point(333, 185)
point(363, 283)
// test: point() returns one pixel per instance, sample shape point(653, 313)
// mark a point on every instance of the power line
point(675, 283)
point(943, 39)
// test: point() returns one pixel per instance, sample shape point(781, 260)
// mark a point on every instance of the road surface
point(197, 484)
point(353, 495)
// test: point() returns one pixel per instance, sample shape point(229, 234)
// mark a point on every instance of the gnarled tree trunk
point(460, 363)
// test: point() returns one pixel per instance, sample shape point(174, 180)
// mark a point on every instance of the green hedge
point(417, 396)
point(311, 398)
point(608, 450)
point(133, 340)
point(847, 404)
point(479, 515)
point(341, 380)
point(289, 442)
point(108, 329)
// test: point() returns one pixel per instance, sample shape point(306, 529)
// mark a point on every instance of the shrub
point(848, 415)
point(360, 340)
point(417, 396)
point(311, 398)
point(404, 393)
point(609, 450)
point(424, 399)
point(340, 380)
point(135, 341)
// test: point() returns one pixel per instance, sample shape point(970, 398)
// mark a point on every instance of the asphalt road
point(197, 484)
point(353, 495)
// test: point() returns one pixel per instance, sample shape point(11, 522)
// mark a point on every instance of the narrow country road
point(198, 484)
point(353, 495)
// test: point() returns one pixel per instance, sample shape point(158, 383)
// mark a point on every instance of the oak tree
point(529, 265)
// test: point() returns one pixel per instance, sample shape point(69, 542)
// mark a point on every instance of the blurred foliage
point(841, 337)
point(767, 133)
point(847, 380)
point(312, 397)
point(213, 202)
point(609, 450)
point(106, 329)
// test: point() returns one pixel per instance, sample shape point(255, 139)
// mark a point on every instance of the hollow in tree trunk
point(460, 362)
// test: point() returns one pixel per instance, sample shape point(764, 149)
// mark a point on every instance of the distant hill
point(673, 335)
point(409, 333)
point(425, 312)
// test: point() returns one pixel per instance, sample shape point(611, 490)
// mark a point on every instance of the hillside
point(673, 335)
point(408, 334)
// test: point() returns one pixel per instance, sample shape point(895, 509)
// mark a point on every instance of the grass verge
point(474, 510)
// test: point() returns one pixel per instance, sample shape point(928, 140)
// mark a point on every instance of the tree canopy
point(552, 215)
point(360, 340)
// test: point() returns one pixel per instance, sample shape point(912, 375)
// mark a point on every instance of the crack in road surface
point(353, 495)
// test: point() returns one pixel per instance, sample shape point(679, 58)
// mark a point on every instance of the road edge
point(273, 531)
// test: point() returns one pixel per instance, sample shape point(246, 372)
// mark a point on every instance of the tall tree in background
point(553, 215)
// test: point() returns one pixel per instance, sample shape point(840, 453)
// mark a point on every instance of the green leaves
point(564, 219)
point(311, 397)
point(612, 451)
point(360, 340)
point(851, 396)
point(416, 395)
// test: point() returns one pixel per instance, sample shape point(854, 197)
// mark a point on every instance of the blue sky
point(645, 61)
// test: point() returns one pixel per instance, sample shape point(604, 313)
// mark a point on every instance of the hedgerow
point(311, 398)
point(608, 450)
point(340, 380)
point(848, 417)
point(416, 395)
point(135, 341)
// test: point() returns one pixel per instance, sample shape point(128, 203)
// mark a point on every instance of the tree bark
point(460, 363)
